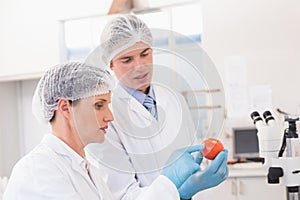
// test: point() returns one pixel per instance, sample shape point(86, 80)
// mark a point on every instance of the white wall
point(29, 35)
point(266, 33)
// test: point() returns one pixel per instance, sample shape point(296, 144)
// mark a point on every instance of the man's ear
point(63, 107)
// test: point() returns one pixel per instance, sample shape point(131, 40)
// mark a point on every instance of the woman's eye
point(98, 106)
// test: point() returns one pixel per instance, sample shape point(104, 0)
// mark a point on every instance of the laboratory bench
point(247, 181)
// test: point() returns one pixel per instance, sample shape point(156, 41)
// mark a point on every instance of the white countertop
point(247, 170)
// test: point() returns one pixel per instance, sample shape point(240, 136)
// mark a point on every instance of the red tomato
point(212, 148)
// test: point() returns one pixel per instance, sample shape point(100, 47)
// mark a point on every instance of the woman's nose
point(109, 117)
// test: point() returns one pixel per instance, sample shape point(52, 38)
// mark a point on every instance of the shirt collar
point(138, 95)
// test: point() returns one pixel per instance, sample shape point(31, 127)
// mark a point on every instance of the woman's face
point(90, 118)
point(133, 66)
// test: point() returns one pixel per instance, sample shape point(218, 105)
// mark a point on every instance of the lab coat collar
point(78, 163)
point(65, 151)
point(132, 103)
point(138, 95)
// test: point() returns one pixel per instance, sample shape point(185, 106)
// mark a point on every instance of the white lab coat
point(137, 145)
point(54, 171)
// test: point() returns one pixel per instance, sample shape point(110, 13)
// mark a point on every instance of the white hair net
point(121, 33)
point(72, 81)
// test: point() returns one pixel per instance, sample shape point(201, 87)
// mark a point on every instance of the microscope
point(280, 149)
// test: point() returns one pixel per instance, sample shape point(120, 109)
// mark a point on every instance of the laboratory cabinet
point(247, 185)
point(20, 132)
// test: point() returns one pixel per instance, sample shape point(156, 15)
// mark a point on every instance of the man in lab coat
point(74, 98)
point(151, 120)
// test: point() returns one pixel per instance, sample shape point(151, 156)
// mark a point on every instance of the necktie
point(149, 104)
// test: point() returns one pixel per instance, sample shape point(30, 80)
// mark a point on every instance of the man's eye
point(144, 54)
point(128, 60)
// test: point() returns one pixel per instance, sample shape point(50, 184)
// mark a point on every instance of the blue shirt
point(138, 95)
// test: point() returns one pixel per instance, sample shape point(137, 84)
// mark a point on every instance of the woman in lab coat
point(141, 139)
point(74, 99)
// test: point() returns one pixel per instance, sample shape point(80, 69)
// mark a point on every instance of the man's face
point(133, 66)
point(91, 116)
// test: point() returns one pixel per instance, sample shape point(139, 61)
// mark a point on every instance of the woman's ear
point(64, 107)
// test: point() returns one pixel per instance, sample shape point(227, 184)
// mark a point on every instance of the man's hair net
point(121, 33)
point(72, 81)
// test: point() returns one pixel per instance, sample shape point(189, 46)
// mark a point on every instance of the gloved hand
point(182, 165)
point(212, 176)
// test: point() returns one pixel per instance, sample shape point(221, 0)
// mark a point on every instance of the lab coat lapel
point(163, 104)
point(160, 103)
point(66, 152)
point(99, 178)
point(84, 174)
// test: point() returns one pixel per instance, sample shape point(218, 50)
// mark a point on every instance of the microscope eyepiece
point(268, 116)
point(255, 117)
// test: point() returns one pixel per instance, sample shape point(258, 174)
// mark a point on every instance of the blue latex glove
point(182, 165)
point(212, 176)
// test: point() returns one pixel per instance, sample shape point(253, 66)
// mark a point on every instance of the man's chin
point(144, 88)
point(140, 87)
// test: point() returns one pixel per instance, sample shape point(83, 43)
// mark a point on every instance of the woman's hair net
point(121, 33)
point(72, 81)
